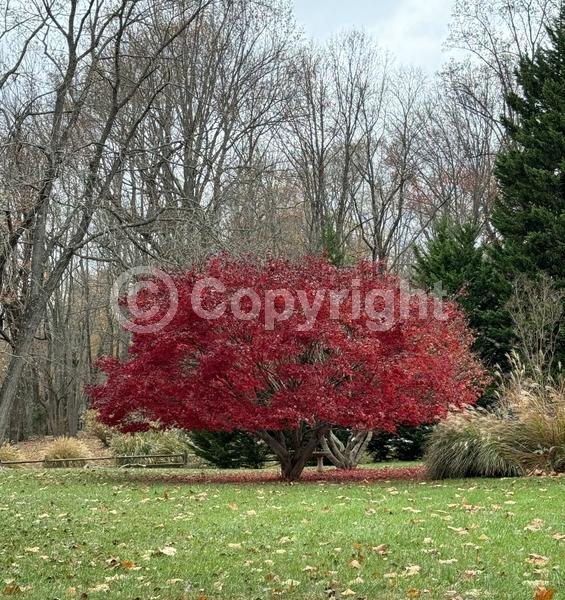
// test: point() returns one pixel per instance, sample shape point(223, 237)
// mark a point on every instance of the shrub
point(535, 427)
point(65, 448)
point(171, 441)
point(527, 433)
point(378, 446)
point(96, 428)
point(407, 444)
point(470, 444)
point(230, 450)
point(9, 453)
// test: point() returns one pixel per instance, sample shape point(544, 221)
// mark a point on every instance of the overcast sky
point(413, 30)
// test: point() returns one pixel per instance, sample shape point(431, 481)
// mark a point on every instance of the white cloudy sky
point(413, 30)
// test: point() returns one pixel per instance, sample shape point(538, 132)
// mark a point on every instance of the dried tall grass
point(526, 433)
point(96, 428)
point(535, 422)
point(65, 448)
point(9, 453)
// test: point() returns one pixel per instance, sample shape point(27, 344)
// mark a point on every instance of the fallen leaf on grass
point(534, 525)
point(101, 587)
point(536, 559)
point(470, 573)
point(12, 589)
point(167, 551)
point(535, 583)
point(543, 593)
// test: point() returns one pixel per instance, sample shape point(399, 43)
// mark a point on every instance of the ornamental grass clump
point(95, 427)
point(526, 433)
point(65, 452)
point(144, 444)
point(535, 423)
point(9, 453)
point(470, 444)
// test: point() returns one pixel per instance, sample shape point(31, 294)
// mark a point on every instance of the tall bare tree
point(59, 152)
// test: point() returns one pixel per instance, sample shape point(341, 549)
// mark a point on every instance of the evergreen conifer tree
point(529, 213)
point(456, 258)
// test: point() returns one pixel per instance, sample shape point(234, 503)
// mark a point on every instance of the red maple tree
point(347, 355)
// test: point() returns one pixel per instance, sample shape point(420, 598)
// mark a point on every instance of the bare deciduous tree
point(536, 307)
point(77, 86)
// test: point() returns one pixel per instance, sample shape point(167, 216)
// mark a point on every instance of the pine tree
point(529, 213)
point(456, 258)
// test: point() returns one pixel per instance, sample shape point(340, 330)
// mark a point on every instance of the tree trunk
point(294, 448)
point(348, 455)
point(13, 374)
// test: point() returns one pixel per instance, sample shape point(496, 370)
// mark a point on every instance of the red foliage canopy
point(378, 360)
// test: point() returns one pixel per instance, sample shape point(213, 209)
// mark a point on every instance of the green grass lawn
point(112, 534)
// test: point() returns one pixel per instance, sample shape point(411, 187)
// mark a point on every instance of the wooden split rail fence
point(166, 461)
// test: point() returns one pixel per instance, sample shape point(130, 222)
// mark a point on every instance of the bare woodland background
point(147, 132)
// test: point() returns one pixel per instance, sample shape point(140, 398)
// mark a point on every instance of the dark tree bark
point(294, 448)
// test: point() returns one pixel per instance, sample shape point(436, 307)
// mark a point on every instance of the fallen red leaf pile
point(327, 476)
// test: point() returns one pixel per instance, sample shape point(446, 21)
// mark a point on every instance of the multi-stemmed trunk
point(294, 448)
point(346, 455)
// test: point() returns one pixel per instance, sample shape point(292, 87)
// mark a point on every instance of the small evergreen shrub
point(65, 448)
point(407, 444)
point(93, 426)
point(233, 450)
point(378, 446)
point(171, 441)
point(9, 453)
